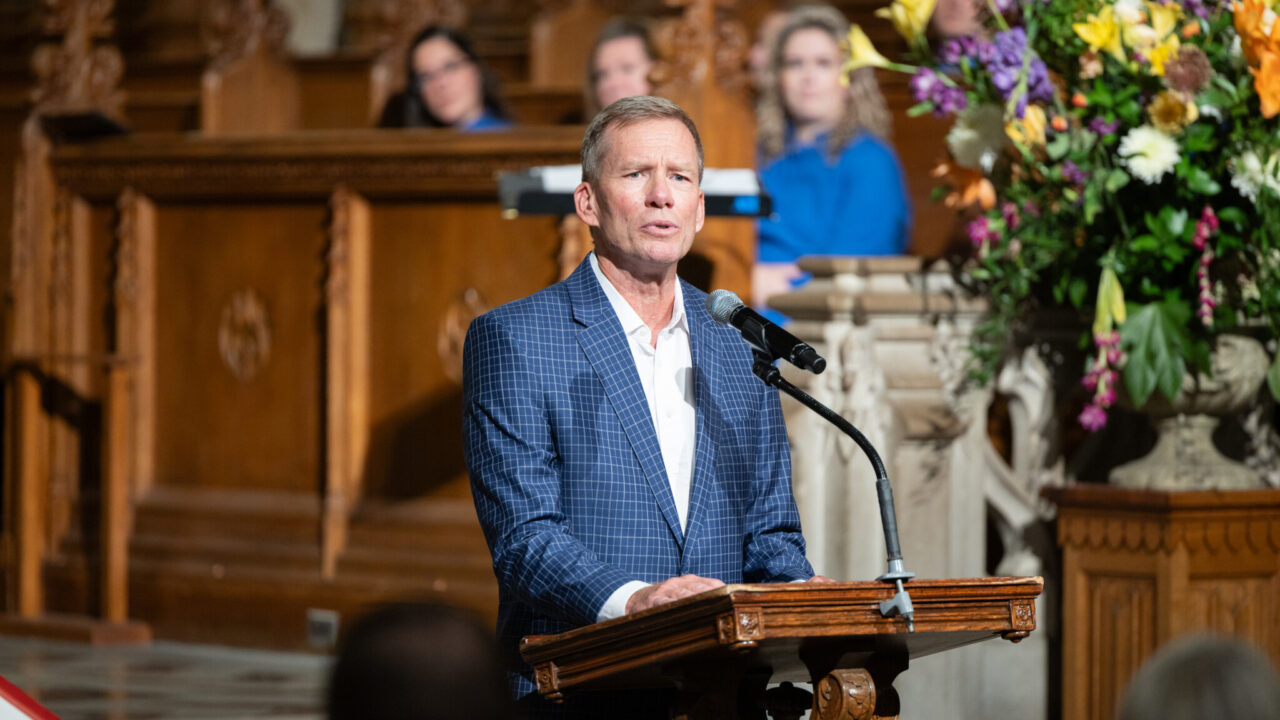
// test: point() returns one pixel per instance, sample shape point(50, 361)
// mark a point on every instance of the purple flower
point(1093, 418)
point(951, 100)
point(1100, 126)
point(1005, 65)
point(1010, 213)
point(924, 85)
point(957, 49)
point(928, 86)
point(1073, 174)
point(980, 232)
point(1197, 8)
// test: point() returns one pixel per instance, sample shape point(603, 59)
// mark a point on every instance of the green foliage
point(1075, 207)
point(1155, 338)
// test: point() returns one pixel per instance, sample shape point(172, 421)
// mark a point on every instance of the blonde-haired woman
point(836, 184)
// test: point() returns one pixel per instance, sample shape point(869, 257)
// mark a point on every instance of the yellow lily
point(1163, 53)
point(1102, 32)
point(910, 17)
point(1164, 18)
point(861, 54)
point(1110, 310)
point(1029, 131)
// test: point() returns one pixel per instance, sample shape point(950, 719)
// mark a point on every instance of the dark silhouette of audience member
point(1203, 677)
point(447, 86)
point(418, 661)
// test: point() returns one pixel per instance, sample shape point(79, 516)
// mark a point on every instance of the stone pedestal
point(895, 337)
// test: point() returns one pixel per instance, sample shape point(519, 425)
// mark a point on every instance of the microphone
point(764, 336)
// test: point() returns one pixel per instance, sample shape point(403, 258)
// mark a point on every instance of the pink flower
point(1093, 418)
point(1210, 219)
point(1106, 398)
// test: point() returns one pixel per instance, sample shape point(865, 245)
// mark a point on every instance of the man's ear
point(586, 205)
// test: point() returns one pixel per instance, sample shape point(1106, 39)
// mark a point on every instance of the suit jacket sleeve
point(775, 549)
point(513, 463)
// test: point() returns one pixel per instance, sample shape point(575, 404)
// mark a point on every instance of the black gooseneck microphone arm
point(897, 573)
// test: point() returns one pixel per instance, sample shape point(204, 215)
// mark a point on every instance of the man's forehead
point(641, 135)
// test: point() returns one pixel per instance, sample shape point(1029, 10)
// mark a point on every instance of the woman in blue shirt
point(836, 184)
point(448, 86)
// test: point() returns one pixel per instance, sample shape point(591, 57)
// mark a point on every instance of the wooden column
point(1141, 568)
point(347, 368)
point(114, 573)
point(28, 516)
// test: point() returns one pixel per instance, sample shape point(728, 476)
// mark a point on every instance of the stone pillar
point(895, 336)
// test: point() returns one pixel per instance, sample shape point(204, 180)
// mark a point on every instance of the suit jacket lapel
point(605, 346)
point(702, 345)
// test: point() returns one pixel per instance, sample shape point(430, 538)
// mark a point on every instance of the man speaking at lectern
point(622, 455)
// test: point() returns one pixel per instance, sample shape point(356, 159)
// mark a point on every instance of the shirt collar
point(631, 323)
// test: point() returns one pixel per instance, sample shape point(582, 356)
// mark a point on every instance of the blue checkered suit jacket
point(568, 478)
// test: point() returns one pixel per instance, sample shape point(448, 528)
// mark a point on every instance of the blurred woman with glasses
point(448, 87)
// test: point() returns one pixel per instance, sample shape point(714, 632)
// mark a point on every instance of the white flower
point(1129, 12)
point(1148, 153)
point(978, 136)
point(1246, 175)
point(1249, 174)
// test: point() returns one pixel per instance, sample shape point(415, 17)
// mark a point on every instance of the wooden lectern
point(720, 649)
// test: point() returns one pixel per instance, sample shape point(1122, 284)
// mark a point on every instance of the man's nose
point(659, 191)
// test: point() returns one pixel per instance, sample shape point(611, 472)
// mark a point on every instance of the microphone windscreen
point(722, 304)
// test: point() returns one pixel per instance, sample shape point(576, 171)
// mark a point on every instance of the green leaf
point(1076, 291)
point(1273, 378)
point(919, 109)
point(1200, 137)
point(1202, 182)
point(1233, 215)
point(1092, 204)
point(1155, 339)
point(1116, 179)
point(1059, 146)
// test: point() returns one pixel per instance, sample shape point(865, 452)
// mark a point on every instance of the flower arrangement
point(1117, 156)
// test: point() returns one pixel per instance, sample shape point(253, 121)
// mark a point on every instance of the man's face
point(645, 206)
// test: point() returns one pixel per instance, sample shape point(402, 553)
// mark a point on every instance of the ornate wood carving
point(244, 335)
point(453, 330)
point(132, 288)
point(233, 29)
point(740, 629)
point(1211, 534)
point(548, 679)
point(845, 695)
point(346, 292)
point(78, 73)
point(1144, 567)
point(705, 38)
point(125, 286)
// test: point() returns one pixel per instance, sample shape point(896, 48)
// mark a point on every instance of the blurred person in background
point(447, 87)
point(1203, 677)
point(418, 661)
point(837, 185)
point(621, 59)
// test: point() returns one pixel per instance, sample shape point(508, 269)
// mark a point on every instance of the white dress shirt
point(666, 374)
